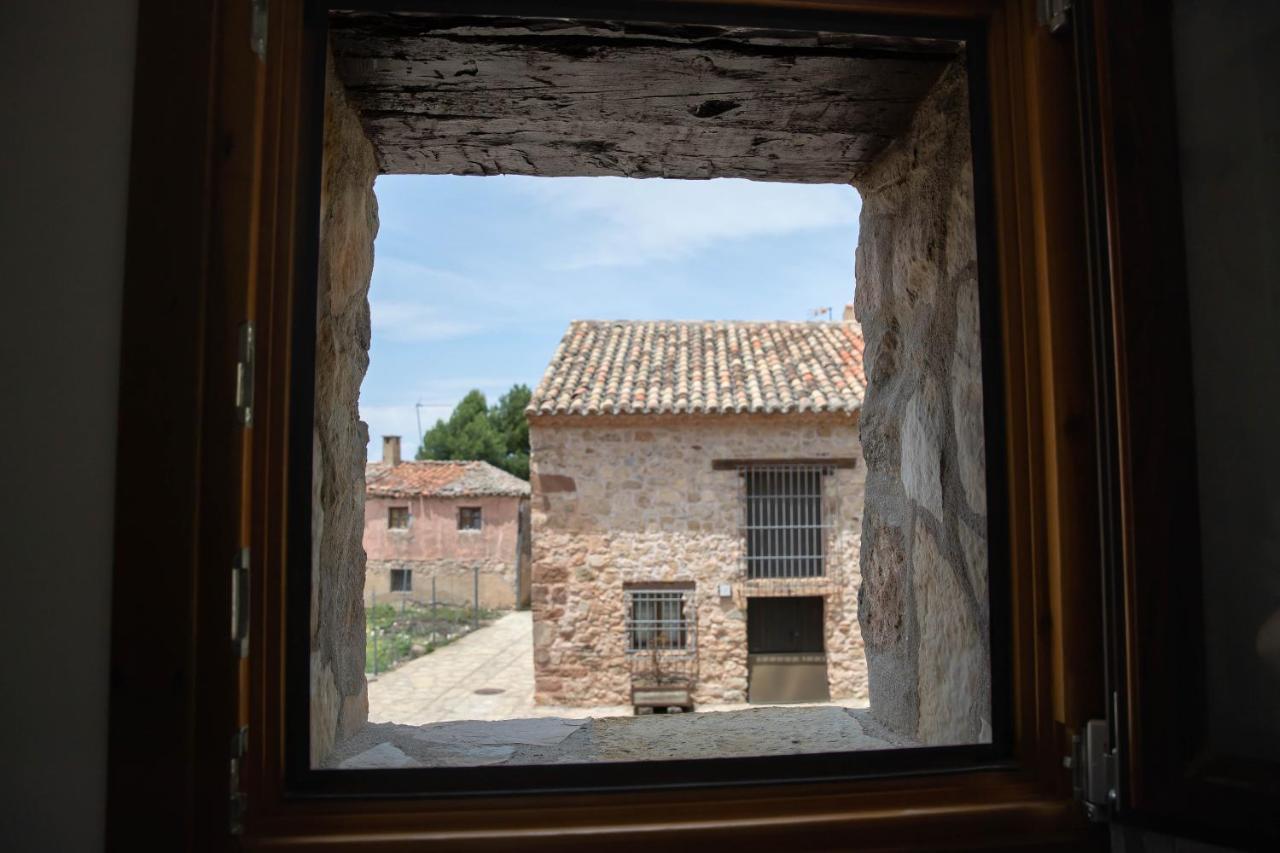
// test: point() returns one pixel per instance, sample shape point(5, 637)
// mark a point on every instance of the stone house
point(462, 524)
point(697, 513)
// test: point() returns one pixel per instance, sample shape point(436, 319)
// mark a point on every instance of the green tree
point(509, 420)
point(468, 434)
point(498, 435)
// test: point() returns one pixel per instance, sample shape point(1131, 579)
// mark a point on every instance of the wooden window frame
point(217, 206)
point(479, 516)
point(391, 518)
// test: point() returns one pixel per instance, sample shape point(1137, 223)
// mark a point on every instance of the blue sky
point(476, 278)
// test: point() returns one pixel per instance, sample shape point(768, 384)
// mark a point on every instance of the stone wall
point(455, 582)
point(635, 499)
point(348, 224)
point(924, 604)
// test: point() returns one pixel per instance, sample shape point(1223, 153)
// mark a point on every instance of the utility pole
point(417, 410)
point(818, 312)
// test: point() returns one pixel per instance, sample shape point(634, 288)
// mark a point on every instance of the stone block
point(953, 678)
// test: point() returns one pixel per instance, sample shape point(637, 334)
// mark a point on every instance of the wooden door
point(784, 625)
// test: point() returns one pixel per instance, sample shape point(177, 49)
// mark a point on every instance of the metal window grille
point(785, 519)
point(398, 517)
point(401, 580)
point(469, 518)
point(660, 620)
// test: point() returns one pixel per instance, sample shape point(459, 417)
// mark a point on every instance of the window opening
point(469, 518)
point(609, 452)
point(398, 518)
point(659, 620)
point(785, 520)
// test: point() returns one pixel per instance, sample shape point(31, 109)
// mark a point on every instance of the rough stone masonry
point(348, 225)
point(924, 608)
point(635, 499)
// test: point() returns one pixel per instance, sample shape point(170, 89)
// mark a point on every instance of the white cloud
point(416, 322)
point(397, 420)
point(636, 221)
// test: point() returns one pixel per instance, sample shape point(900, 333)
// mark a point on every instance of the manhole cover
point(489, 691)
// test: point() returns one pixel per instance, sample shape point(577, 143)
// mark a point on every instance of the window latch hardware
point(258, 28)
point(244, 375)
point(239, 744)
point(240, 604)
point(1093, 764)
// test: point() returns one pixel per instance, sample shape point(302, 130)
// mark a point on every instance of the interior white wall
point(66, 78)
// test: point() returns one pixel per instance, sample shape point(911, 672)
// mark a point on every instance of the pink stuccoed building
point(452, 522)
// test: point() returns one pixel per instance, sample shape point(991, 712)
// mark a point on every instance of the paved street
point(442, 685)
point(486, 675)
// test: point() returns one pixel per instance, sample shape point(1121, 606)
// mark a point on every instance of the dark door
point(781, 625)
point(785, 660)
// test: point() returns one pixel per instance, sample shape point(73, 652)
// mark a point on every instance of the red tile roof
point(715, 367)
point(441, 479)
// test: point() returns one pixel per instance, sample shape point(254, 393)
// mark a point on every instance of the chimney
point(848, 313)
point(391, 449)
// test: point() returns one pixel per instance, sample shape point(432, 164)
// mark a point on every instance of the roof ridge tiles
point(718, 366)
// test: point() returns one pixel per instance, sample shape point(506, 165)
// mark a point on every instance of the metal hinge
point(258, 28)
point(240, 604)
point(1093, 764)
point(244, 375)
point(1054, 14)
point(239, 745)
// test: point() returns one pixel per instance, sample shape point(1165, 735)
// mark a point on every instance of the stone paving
point(471, 704)
point(456, 682)
point(555, 740)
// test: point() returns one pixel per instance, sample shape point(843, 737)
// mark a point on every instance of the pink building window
point(469, 518)
point(398, 518)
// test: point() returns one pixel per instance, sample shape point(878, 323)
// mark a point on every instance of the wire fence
point(399, 627)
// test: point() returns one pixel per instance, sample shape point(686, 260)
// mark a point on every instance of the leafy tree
point(508, 418)
point(498, 435)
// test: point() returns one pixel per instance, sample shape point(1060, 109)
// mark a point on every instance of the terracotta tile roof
point(714, 367)
point(455, 479)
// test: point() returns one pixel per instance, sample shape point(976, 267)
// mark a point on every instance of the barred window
point(784, 519)
point(660, 619)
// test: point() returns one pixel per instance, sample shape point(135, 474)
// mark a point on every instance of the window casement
point(470, 518)
point(785, 519)
point(1014, 790)
point(398, 518)
point(401, 580)
point(660, 620)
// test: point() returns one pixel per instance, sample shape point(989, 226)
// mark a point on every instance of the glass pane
point(1228, 126)
point(609, 504)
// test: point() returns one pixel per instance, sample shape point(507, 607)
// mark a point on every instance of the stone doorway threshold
point(563, 740)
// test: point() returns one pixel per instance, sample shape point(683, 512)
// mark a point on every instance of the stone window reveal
point(660, 619)
point(784, 519)
point(398, 518)
point(469, 518)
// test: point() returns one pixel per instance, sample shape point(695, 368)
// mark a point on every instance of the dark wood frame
point(830, 462)
point(221, 244)
point(1172, 779)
